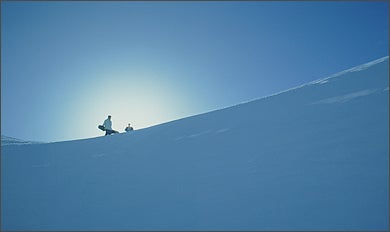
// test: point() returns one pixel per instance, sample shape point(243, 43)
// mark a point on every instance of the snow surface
point(6, 140)
point(312, 158)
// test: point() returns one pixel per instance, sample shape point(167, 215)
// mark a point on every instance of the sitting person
point(128, 128)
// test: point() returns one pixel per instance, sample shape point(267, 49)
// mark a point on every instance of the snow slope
point(6, 140)
point(310, 158)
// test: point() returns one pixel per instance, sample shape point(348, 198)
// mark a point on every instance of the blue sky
point(66, 65)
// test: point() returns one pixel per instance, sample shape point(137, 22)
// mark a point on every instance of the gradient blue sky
point(67, 65)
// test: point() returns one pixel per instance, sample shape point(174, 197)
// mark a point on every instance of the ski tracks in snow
point(346, 97)
point(201, 133)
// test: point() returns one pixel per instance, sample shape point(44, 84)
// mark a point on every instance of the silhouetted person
point(107, 124)
point(128, 128)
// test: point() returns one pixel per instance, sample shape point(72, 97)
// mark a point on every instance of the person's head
point(109, 116)
point(128, 124)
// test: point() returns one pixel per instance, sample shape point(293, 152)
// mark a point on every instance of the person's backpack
point(101, 127)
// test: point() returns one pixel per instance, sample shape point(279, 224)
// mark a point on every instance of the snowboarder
point(128, 128)
point(107, 124)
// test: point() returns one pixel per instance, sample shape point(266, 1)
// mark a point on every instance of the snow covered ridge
point(354, 69)
point(5, 140)
point(314, 158)
point(329, 78)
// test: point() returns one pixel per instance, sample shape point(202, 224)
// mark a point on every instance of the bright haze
point(65, 66)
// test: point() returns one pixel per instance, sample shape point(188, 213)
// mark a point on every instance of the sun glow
point(140, 100)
